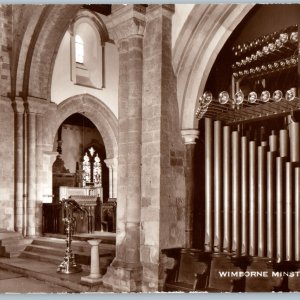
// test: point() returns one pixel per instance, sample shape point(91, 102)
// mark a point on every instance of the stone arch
point(203, 35)
point(94, 109)
point(85, 16)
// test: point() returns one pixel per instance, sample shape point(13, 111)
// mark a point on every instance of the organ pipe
point(273, 142)
point(283, 143)
point(270, 202)
point(226, 187)
point(279, 202)
point(252, 198)
point(236, 192)
point(252, 193)
point(208, 183)
point(294, 133)
point(261, 196)
point(288, 210)
point(244, 194)
point(217, 184)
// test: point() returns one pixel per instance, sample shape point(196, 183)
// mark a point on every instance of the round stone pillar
point(18, 106)
point(31, 171)
point(190, 136)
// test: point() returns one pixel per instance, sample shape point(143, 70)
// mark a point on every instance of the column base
point(90, 280)
point(123, 277)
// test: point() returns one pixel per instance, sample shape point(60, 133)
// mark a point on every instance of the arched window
point(88, 38)
point(79, 49)
point(91, 167)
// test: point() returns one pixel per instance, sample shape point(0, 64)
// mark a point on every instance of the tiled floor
point(16, 283)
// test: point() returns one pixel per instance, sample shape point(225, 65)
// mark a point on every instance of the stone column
point(189, 136)
point(111, 163)
point(31, 171)
point(127, 27)
point(163, 180)
point(35, 109)
point(18, 106)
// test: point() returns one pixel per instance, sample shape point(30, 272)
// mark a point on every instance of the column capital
point(18, 105)
point(111, 162)
point(36, 105)
point(190, 135)
point(126, 21)
point(156, 10)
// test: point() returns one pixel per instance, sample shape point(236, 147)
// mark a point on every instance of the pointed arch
point(92, 108)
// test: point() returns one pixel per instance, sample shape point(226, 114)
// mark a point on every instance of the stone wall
point(5, 47)
point(6, 124)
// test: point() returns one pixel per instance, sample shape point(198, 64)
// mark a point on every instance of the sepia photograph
point(149, 148)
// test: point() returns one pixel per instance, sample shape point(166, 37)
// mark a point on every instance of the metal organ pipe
point(273, 142)
point(288, 210)
point(279, 201)
point(270, 202)
point(244, 194)
point(236, 192)
point(261, 196)
point(252, 198)
point(283, 143)
point(208, 183)
point(252, 195)
point(294, 132)
point(226, 187)
point(217, 184)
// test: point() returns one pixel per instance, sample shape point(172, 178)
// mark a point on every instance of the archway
point(202, 37)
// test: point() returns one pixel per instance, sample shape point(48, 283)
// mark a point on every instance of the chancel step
point(53, 250)
point(12, 244)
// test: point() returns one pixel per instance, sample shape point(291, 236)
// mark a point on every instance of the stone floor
point(11, 282)
point(21, 275)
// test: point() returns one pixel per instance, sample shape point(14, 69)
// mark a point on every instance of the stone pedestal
point(95, 277)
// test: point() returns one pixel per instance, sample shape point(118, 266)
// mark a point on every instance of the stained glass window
point(97, 171)
point(86, 168)
point(91, 168)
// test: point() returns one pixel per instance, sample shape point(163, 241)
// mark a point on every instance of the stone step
point(80, 246)
point(12, 244)
point(13, 241)
point(10, 235)
point(54, 259)
point(60, 243)
point(84, 261)
point(61, 251)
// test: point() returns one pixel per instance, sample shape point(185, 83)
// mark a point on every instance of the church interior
point(151, 147)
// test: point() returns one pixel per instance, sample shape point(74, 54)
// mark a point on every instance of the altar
point(98, 215)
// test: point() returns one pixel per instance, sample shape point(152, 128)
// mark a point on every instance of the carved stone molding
point(36, 105)
point(126, 21)
point(190, 135)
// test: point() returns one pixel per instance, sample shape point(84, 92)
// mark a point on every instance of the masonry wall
point(62, 87)
point(7, 150)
